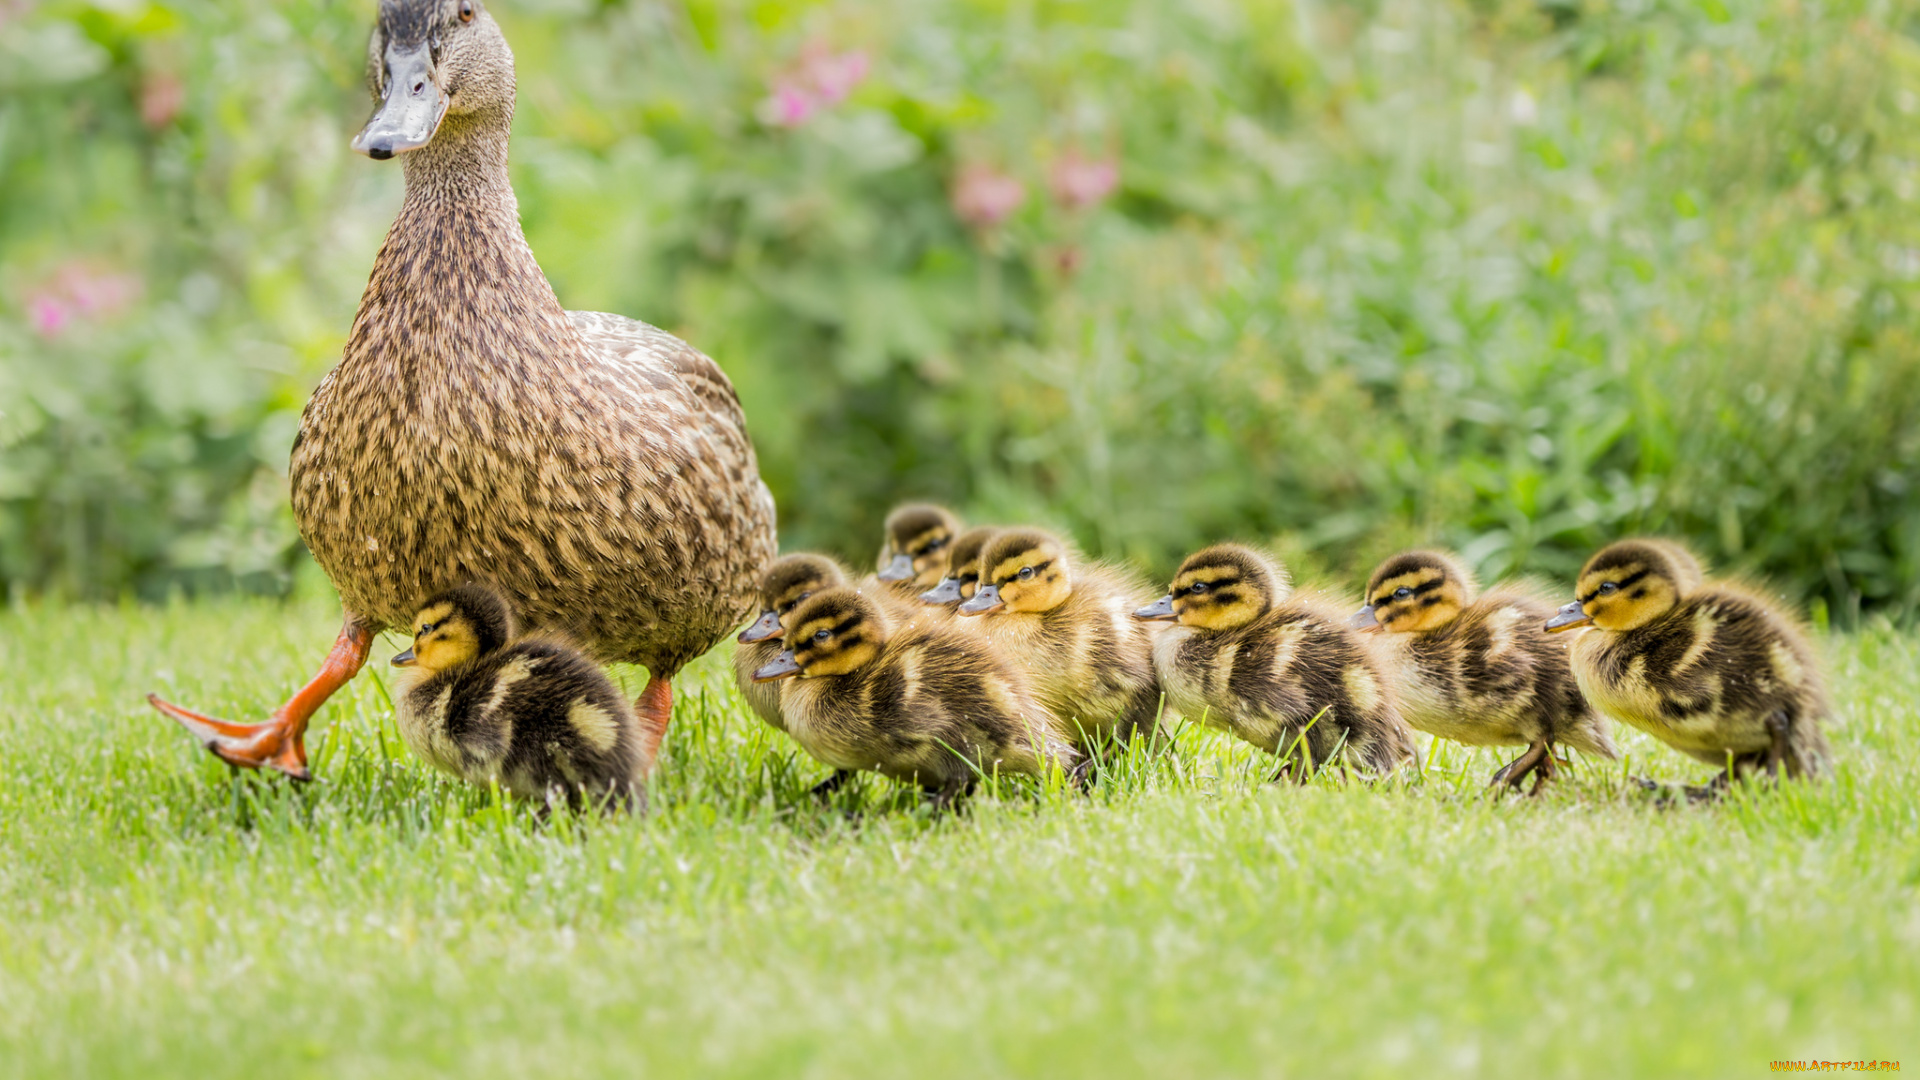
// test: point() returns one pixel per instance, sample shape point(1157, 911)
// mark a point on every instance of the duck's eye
point(935, 545)
point(426, 628)
point(466, 10)
point(1402, 593)
point(1026, 573)
point(822, 635)
point(1609, 588)
point(1197, 588)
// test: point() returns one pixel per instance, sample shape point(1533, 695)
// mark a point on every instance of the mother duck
point(594, 468)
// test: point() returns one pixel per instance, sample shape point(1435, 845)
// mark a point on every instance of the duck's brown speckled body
point(595, 469)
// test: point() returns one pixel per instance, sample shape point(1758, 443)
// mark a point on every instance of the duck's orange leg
point(280, 743)
point(654, 711)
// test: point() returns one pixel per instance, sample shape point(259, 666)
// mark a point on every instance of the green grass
point(158, 917)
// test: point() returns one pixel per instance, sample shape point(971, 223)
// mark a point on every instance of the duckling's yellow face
point(442, 638)
point(788, 582)
point(915, 549)
point(962, 577)
point(836, 632)
point(1414, 593)
point(1022, 570)
point(1626, 586)
point(1221, 588)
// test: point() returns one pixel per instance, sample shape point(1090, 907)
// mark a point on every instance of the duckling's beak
point(947, 592)
point(1364, 620)
point(1568, 617)
point(984, 601)
point(412, 109)
point(403, 659)
point(900, 569)
point(1159, 610)
point(779, 668)
point(764, 627)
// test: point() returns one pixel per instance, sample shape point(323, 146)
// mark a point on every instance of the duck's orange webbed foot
point(280, 743)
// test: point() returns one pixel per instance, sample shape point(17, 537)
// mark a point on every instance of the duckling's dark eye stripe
point(846, 624)
point(1041, 568)
point(1625, 583)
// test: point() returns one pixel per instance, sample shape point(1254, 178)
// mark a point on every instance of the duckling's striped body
point(918, 702)
point(1712, 670)
point(1280, 671)
point(534, 715)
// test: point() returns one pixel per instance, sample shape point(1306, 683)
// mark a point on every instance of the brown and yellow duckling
point(1475, 669)
point(532, 714)
point(1712, 670)
point(1069, 624)
point(962, 577)
point(913, 553)
point(917, 701)
point(1279, 671)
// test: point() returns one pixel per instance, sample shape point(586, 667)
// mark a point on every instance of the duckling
point(1277, 670)
point(533, 713)
point(962, 577)
point(783, 585)
point(1069, 626)
point(1473, 670)
point(1712, 670)
point(913, 555)
point(915, 701)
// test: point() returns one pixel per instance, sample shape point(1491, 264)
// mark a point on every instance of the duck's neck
point(455, 286)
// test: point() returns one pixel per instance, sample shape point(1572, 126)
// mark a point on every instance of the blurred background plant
point(1513, 276)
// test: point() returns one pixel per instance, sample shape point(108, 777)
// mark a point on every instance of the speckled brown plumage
point(593, 467)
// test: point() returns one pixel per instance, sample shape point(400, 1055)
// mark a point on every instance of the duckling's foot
point(831, 784)
point(280, 743)
point(654, 710)
point(1537, 760)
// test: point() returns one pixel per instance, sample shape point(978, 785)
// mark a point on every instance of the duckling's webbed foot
point(831, 784)
point(1537, 761)
point(280, 743)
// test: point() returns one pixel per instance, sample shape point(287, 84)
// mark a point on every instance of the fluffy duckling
point(1069, 625)
point(785, 582)
point(916, 701)
point(1474, 669)
point(1712, 670)
point(962, 577)
point(913, 555)
point(1274, 669)
point(534, 714)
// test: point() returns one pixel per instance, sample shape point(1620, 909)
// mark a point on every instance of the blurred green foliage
point(1513, 276)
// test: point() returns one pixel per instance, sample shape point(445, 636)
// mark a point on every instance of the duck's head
point(962, 579)
point(1629, 584)
point(456, 626)
point(915, 549)
point(1022, 570)
point(785, 582)
point(1415, 591)
point(834, 632)
point(1223, 587)
point(430, 60)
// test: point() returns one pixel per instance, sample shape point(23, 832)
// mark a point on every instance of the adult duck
point(594, 469)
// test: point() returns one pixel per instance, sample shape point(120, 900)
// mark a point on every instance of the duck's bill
point(1161, 609)
point(779, 667)
point(947, 592)
point(1364, 620)
point(1567, 618)
point(404, 659)
point(764, 627)
point(412, 110)
point(900, 569)
point(985, 601)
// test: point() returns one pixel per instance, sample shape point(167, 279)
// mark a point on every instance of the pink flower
point(79, 291)
point(984, 197)
point(1078, 182)
point(161, 96)
point(818, 80)
point(48, 315)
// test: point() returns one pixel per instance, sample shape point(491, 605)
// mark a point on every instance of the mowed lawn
point(159, 917)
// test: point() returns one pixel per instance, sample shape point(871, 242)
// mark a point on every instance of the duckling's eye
point(1609, 588)
point(1026, 573)
point(466, 10)
point(426, 628)
point(1402, 593)
point(822, 635)
point(1197, 588)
